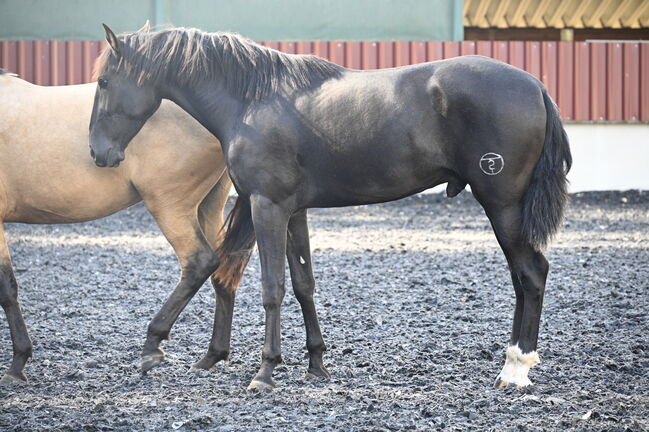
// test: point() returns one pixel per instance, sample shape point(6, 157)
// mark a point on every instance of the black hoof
point(149, 361)
point(259, 384)
point(318, 373)
point(210, 359)
point(13, 378)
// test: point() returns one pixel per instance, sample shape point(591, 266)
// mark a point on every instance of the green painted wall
point(269, 20)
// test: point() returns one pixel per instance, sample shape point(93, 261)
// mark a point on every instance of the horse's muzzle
point(110, 158)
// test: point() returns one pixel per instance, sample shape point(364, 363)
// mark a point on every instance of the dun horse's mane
point(189, 55)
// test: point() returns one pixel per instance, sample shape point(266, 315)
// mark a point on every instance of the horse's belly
point(68, 201)
point(363, 178)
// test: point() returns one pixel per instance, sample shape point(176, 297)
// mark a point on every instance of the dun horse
point(299, 132)
point(47, 177)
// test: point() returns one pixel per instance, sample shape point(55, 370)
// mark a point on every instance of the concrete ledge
point(609, 156)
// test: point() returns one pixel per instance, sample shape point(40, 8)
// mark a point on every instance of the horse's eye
point(102, 83)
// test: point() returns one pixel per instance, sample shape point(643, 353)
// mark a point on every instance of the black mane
point(250, 70)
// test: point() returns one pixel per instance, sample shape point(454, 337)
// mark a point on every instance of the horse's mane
point(189, 55)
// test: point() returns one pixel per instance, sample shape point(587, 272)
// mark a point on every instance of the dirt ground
point(415, 304)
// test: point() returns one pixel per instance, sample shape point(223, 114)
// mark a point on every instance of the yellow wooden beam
point(499, 19)
point(556, 19)
point(577, 18)
point(613, 20)
point(595, 19)
point(537, 17)
point(518, 17)
point(633, 20)
point(480, 18)
point(467, 17)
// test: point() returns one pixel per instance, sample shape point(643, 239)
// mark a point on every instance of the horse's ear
point(112, 39)
point(146, 28)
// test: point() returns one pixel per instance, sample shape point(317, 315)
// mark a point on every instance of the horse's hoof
point(512, 381)
point(318, 373)
point(10, 379)
point(150, 361)
point(258, 385)
point(209, 360)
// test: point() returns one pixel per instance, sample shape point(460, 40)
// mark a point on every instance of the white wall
point(609, 156)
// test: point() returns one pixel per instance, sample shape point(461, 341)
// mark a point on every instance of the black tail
point(547, 194)
point(237, 245)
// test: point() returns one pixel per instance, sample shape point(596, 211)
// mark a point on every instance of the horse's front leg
point(271, 222)
point(299, 261)
point(22, 345)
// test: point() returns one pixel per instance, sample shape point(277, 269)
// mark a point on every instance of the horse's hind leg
point(298, 253)
point(529, 270)
point(197, 262)
point(22, 345)
point(211, 219)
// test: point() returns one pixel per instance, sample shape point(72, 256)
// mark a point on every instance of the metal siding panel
point(582, 81)
point(370, 55)
point(484, 48)
point(353, 57)
point(566, 77)
point(26, 60)
point(10, 53)
point(517, 54)
point(467, 48)
point(402, 53)
point(501, 51)
point(90, 50)
point(305, 48)
point(58, 56)
point(418, 52)
point(337, 53)
point(435, 51)
point(386, 54)
point(288, 47)
point(598, 81)
point(615, 82)
point(321, 49)
point(74, 62)
point(533, 58)
point(631, 81)
point(42, 63)
point(549, 67)
point(644, 82)
point(451, 49)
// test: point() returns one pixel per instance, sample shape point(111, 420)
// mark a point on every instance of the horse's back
point(48, 176)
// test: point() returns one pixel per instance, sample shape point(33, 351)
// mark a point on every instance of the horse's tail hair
point(546, 196)
point(237, 245)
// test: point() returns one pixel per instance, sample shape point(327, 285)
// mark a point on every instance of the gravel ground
point(415, 304)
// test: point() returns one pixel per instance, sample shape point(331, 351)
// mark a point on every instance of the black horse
point(299, 132)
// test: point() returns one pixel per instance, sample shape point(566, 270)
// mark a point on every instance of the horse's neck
point(211, 105)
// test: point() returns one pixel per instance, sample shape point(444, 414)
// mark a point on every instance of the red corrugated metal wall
point(590, 81)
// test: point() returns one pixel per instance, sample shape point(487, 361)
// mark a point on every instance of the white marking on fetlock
point(302, 261)
point(517, 366)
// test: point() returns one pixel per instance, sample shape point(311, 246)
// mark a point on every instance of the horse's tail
point(547, 194)
point(237, 245)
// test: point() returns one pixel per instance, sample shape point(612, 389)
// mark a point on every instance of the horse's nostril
point(92, 153)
